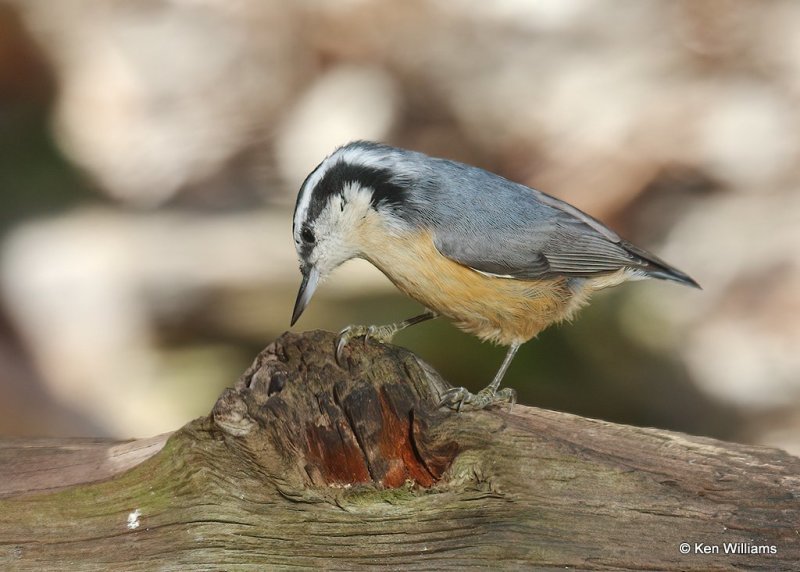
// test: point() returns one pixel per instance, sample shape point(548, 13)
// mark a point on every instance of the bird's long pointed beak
point(307, 288)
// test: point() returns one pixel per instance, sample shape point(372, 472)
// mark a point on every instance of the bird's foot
point(460, 399)
point(382, 334)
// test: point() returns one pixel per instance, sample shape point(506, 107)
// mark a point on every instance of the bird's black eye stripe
point(385, 189)
point(307, 235)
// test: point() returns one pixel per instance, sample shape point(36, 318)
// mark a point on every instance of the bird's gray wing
point(537, 253)
point(527, 234)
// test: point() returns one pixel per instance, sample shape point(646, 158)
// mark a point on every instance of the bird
point(499, 259)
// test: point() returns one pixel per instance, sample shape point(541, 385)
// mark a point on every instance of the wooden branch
point(309, 464)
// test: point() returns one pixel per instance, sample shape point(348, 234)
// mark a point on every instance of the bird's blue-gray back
point(494, 225)
point(515, 230)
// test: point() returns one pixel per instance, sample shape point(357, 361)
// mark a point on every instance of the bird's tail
point(654, 267)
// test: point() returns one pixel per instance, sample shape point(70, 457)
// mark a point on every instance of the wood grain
point(309, 464)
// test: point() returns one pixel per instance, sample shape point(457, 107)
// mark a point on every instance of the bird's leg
point(459, 398)
point(382, 334)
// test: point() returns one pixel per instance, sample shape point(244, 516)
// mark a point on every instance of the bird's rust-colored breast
point(502, 310)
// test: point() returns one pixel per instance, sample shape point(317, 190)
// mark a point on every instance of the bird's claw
point(345, 336)
point(382, 334)
point(460, 399)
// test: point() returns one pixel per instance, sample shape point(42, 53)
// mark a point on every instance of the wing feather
point(505, 229)
point(542, 241)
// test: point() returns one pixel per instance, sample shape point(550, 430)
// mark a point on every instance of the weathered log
point(306, 463)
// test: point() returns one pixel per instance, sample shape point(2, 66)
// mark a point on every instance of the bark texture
point(308, 463)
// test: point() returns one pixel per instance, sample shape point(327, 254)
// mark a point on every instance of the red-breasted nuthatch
point(501, 260)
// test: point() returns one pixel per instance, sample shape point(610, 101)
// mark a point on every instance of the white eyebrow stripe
point(304, 201)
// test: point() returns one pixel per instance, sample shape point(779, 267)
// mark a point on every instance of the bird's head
point(334, 204)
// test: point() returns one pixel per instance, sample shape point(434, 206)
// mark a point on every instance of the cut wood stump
point(307, 463)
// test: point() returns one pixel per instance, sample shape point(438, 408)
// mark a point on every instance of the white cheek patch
point(342, 214)
point(357, 200)
point(336, 227)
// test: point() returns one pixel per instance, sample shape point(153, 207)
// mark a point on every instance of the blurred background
point(151, 152)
